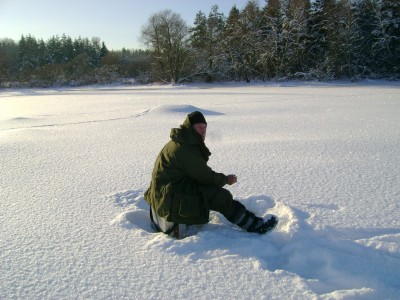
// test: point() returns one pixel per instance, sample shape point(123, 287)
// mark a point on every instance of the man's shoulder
point(179, 148)
point(172, 147)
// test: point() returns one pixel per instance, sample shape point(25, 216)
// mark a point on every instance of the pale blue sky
point(118, 23)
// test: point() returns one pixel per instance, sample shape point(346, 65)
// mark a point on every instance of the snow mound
point(182, 109)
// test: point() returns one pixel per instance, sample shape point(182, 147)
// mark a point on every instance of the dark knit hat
point(196, 117)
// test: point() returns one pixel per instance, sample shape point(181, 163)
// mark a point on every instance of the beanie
point(196, 117)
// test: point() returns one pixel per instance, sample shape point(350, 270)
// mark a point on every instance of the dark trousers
point(219, 199)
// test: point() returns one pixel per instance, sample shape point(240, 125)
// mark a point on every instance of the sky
point(117, 23)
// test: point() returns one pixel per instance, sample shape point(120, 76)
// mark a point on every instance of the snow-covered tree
point(231, 42)
point(242, 43)
point(271, 31)
point(205, 41)
point(296, 37)
point(386, 45)
point(251, 42)
point(323, 33)
point(346, 56)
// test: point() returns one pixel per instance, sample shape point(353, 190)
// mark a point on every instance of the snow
point(323, 157)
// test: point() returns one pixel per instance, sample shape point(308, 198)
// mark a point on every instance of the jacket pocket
point(190, 209)
point(190, 206)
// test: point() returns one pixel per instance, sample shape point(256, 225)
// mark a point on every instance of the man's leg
point(221, 200)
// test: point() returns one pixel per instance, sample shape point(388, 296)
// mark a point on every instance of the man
point(184, 188)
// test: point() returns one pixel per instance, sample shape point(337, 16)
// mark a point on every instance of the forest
point(279, 40)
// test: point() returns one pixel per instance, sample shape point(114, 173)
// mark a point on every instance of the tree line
point(63, 61)
point(283, 39)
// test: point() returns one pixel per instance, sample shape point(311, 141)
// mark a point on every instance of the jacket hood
point(185, 134)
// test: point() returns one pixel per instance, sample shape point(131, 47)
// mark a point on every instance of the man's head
point(198, 123)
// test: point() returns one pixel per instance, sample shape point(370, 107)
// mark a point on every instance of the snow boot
point(249, 221)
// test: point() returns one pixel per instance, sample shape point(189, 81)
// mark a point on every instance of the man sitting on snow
point(184, 188)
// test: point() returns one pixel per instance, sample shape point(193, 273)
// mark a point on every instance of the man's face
point(201, 129)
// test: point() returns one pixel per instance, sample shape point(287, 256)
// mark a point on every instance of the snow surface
point(325, 158)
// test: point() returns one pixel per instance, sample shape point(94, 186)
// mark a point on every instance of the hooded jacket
point(180, 187)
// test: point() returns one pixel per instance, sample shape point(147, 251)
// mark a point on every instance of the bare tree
point(166, 35)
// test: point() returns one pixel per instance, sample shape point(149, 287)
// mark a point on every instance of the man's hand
point(231, 179)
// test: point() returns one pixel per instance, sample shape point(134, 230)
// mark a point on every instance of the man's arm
point(195, 166)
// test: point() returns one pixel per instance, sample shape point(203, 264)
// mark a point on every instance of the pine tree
point(103, 51)
point(296, 36)
point(323, 29)
point(28, 53)
point(272, 18)
point(251, 42)
point(231, 43)
point(347, 52)
point(8, 60)
point(94, 52)
point(242, 42)
point(198, 32)
point(215, 27)
point(386, 48)
point(206, 42)
point(67, 52)
point(364, 15)
point(42, 50)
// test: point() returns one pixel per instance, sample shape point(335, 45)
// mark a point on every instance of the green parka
point(182, 182)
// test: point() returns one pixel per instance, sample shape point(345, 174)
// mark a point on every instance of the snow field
point(325, 158)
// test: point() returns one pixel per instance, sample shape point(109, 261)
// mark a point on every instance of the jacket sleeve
point(195, 166)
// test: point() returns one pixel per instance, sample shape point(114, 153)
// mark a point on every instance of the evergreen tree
point(251, 42)
point(197, 39)
point(8, 60)
point(386, 47)
point(103, 51)
point(296, 37)
point(215, 27)
point(347, 54)
point(272, 18)
point(198, 32)
point(205, 41)
point(42, 52)
point(28, 57)
point(323, 29)
point(94, 52)
point(244, 42)
point(231, 43)
point(54, 55)
point(364, 15)
point(66, 49)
